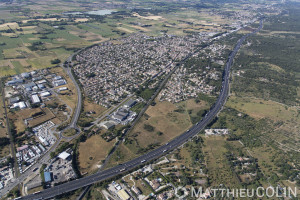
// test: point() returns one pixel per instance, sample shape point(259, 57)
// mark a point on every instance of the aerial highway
point(157, 153)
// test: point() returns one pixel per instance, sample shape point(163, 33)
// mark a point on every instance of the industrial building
point(107, 124)
point(20, 105)
point(47, 176)
point(35, 99)
point(14, 82)
point(64, 155)
point(14, 100)
point(41, 86)
point(130, 103)
point(59, 82)
point(62, 89)
point(29, 86)
point(123, 195)
point(25, 75)
point(45, 94)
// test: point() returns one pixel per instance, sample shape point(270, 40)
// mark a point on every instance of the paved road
point(11, 139)
point(112, 172)
point(76, 113)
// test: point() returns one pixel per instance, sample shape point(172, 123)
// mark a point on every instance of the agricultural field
point(27, 51)
point(30, 40)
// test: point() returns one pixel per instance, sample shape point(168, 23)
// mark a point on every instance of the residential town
point(109, 72)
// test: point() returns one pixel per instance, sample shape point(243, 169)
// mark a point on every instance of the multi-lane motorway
point(112, 172)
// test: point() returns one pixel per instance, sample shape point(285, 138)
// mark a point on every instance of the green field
point(61, 36)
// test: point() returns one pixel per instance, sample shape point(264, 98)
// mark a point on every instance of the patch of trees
point(4, 141)
point(148, 148)
point(55, 61)
point(250, 129)
point(286, 170)
point(37, 114)
point(35, 46)
point(146, 93)
point(52, 105)
point(62, 126)
point(148, 127)
point(159, 133)
point(7, 31)
point(9, 161)
point(90, 75)
point(200, 114)
point(262, 80)
point(84, 122)
point(203, 97)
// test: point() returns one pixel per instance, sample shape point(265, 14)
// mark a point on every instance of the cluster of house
point(29, 154)
point(110, 71)
point(34, 86)
point(185, 84)
point(191, 80)
point(6, 175)
point(123, 191)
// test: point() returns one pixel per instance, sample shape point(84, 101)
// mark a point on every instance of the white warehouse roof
point(35, 99)
point(45, 94)
point(64, 155)
point(62, 88)
point(20, 105)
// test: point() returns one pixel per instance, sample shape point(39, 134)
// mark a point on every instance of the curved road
point(76, 113)
point(112, 172)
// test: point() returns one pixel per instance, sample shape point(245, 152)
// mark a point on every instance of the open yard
point(39, 120)
point(219, 170)
point(92, 152)
point(94, 109)
point(169, 120)
point(122, 154)
point(163, 123)
point(19, 116)
point(259, 108)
